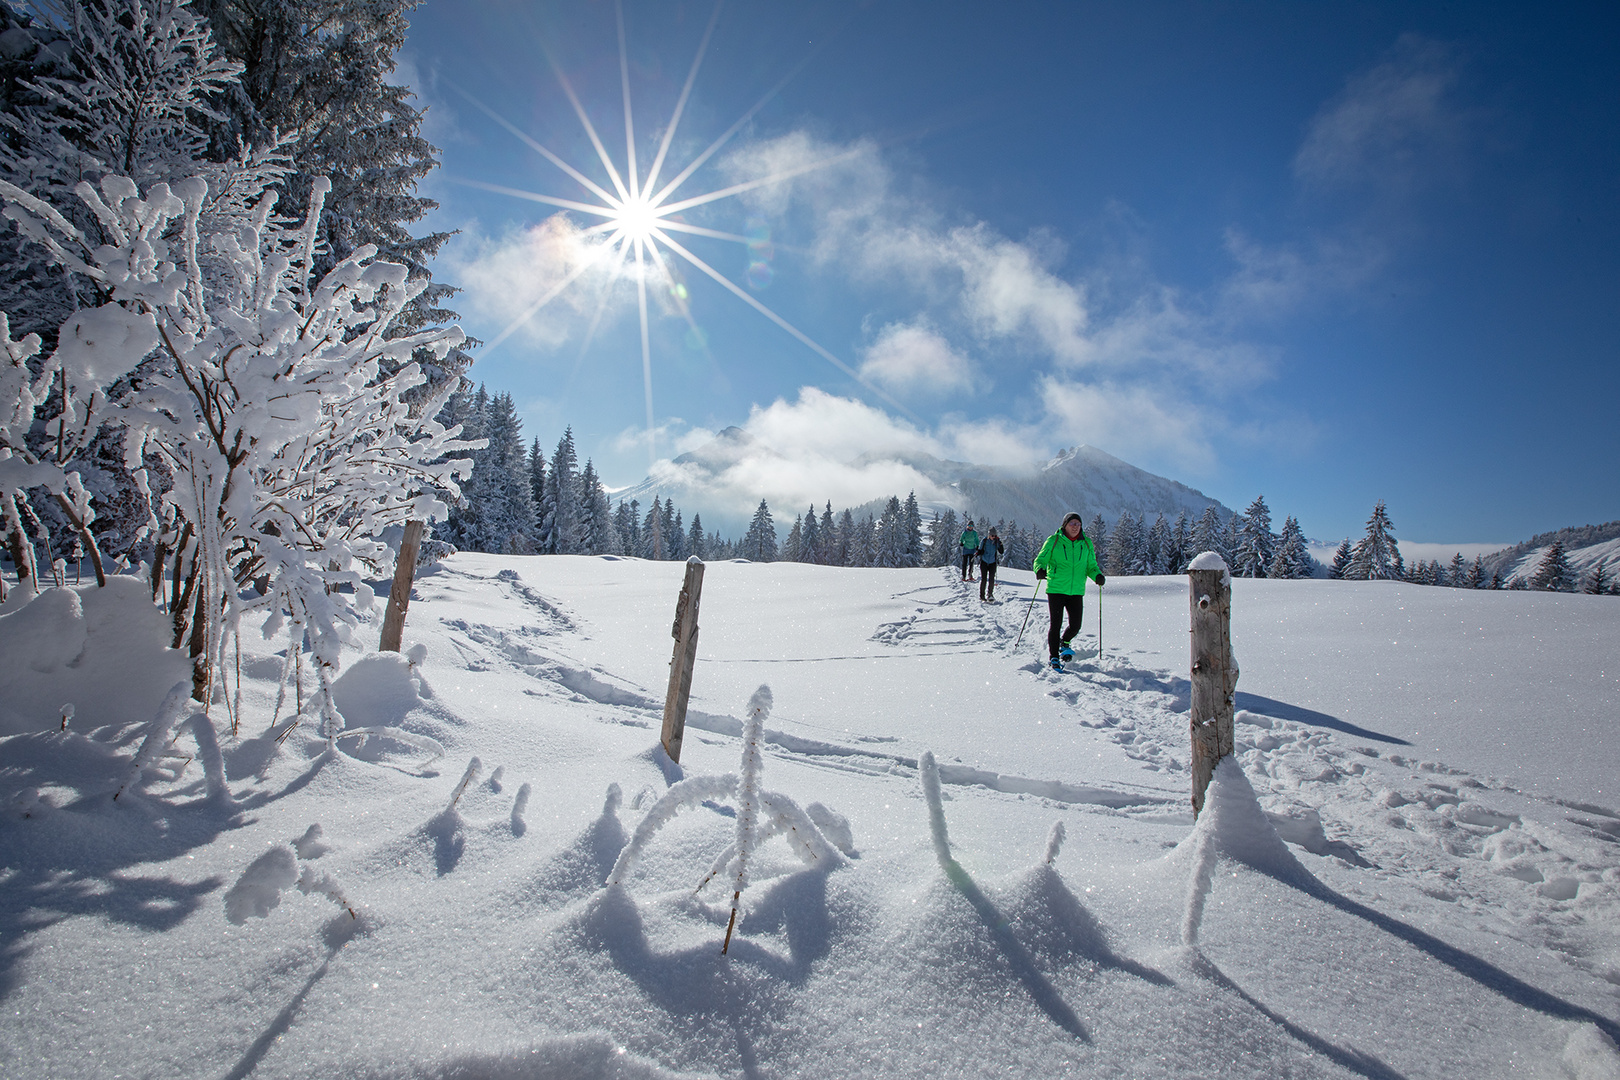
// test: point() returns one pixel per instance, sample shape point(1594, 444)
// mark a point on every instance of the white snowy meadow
point(944, 859)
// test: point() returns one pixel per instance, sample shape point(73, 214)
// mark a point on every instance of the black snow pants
point(987, 580)
point(1056, 605)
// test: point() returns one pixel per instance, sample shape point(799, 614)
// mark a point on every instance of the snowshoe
point(1067, 651)
point(1057, 665)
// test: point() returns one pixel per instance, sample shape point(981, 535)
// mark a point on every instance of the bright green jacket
point(1067, 564)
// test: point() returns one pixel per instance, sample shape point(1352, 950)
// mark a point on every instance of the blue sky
point(1327, 253)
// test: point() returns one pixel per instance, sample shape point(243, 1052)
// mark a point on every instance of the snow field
point(1425, 917)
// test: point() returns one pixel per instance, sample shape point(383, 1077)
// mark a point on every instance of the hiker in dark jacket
point(990, 553)
point(1066, 560)
point(970, 548)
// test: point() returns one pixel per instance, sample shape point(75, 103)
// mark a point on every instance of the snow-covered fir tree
point(889, 537)
point(1341, 560)
point(863, 543)
point(1097, 530)
point(1018, 555)
point(1207, 534)
point(560, 525)
point(697, 544)
point(1180, 537)
point(1160, 557)
point(912, 524)
point(829, 537)
point(810, 545)
point(1256, 545)
point(1292, 559)
point(759, 542)
point(1475, 578)
point(1376, 556)
point(793, 546)
point(1457, 573)
point(1553, 573)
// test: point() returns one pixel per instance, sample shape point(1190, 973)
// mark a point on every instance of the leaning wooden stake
point(1214, 673)
point(399, 597)
point(685, 631)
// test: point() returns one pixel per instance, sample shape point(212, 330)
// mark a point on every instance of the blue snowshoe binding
point(1057, 665)
point(1066, 651)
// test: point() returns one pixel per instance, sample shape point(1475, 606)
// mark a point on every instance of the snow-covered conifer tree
point(793, 547)
point(1457, 575)
point(759, 543)
point(826, 554)
point(560, 511)
point(863, 545)
point(1376, 557)
point(1122, 545)
point(1159, 548)
point(537, 487)
point(942, 551)
point(1207, 534)
point(628, 518)
point(674, 533)
point(1341, 561)
point(810, 543)
point(652, 532)
point(1476, 575)
point(1097, 531)
point(1180, 537)
point(1018, 555)
point(1292, 559)
point(1553, 573)
point(696, 543)
point(889, 539)
point(843, 551)
point(500, 483)
point(1596, 582)
point(912, 524)
point(1256, 546)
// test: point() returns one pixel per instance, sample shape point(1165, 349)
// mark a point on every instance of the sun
point(632, 223)
point(637, 220)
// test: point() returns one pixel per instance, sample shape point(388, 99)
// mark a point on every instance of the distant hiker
point(970, 548)
point(990, 553)
point(1066, 560)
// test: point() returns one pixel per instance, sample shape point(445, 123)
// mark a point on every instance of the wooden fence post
point(399, 597)
point(685, 632)
point(1214, 675)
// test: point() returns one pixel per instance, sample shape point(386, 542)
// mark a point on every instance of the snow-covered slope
point(707, 481)
point(1411, 867)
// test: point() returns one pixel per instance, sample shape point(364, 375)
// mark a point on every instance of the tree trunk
point(399, 597)
point(202, 673)
point(1214, 676)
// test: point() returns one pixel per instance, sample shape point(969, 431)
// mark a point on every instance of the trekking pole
point(1031, 611)
point(1099, 622)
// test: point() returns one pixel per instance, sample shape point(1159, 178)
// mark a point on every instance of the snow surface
point(1411, 868)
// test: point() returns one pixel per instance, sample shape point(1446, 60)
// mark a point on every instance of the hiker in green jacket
point(970, 548)
point(1066, 560)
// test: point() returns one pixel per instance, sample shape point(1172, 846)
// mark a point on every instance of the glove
point(1100, 578)
point(1040, 575)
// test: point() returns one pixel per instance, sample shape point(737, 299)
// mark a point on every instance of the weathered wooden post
point(399, 596)
point(1214, 672)
point(685, 632)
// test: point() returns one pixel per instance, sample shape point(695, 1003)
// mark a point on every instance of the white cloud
point(914, 357)
point(1131, 422)
point(503, 278)
point(1392, 126)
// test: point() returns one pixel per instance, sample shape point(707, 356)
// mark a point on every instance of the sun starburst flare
point(635, 218)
